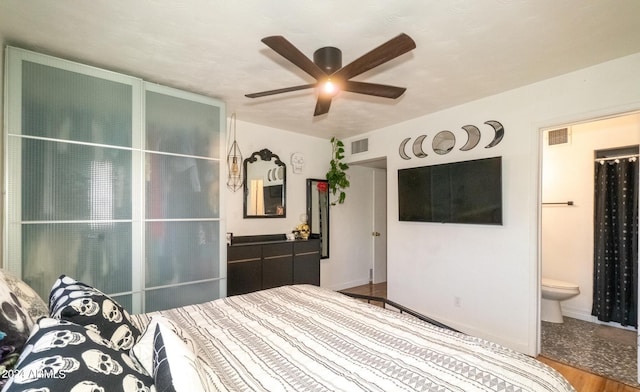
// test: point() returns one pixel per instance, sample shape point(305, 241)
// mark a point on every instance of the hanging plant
point(336, 176)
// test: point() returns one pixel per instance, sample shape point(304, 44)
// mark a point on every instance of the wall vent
point(359, 146)
point(558, 136)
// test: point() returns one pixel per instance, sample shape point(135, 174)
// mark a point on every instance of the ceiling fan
point(331, 76)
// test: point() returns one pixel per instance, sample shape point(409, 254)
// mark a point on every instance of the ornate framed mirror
point(318, 212)
point(265, 183)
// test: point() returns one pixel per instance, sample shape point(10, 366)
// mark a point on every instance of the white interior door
point(379, 225)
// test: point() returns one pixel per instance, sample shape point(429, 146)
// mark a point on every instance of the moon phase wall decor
point(417, 147)
point(473, 137)
point(499, 129)
point(444, 141)
point(401, 151)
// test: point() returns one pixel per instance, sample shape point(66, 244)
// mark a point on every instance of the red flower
point(322, 187)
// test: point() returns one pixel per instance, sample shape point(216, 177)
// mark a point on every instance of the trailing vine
point(336, 176)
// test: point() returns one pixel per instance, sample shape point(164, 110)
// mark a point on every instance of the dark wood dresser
point(266, 261)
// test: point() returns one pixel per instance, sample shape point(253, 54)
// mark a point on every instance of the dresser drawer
point(244, 253)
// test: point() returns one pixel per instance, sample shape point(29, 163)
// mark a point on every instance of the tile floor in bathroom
point(600, 349)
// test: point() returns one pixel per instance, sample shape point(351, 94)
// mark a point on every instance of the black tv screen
point(459, 192)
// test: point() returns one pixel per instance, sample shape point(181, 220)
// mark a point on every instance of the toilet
point(554, 291)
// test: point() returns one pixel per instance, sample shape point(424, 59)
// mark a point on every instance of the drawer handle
point(277, 257)
point(307, 253)
point(241, 261)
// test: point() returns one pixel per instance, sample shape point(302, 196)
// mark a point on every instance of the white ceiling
point(466, 49)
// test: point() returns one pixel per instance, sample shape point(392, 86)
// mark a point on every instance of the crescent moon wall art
point(444, 141)
point(499, 133)
point(473, 137)
point(401, 150)
point(417, 147)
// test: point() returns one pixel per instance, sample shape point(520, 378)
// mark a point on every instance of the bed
point(291, 338)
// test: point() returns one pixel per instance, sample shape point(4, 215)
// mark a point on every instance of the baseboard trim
point(586, 316)
point(348, 285)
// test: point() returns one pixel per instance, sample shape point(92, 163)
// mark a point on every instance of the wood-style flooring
point(582, 381)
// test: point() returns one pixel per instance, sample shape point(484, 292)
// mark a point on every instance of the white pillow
point(143, 349)
point(176, 368)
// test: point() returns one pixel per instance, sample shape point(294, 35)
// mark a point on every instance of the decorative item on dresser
point(260, 262)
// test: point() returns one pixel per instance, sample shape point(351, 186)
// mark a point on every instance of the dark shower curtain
point(615, 278)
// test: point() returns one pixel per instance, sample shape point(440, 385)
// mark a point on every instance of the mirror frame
point(312, 188)
point(265, 155)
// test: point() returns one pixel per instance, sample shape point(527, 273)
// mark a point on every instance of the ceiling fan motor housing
point(329, 59)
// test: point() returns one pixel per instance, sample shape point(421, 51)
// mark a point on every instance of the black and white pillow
point(143, 349)
point(29, 299)
point(63, 356)
point(85, 305)
point(176, 368)
point(15, 322)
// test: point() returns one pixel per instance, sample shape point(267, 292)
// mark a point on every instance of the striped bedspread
point(305, 338)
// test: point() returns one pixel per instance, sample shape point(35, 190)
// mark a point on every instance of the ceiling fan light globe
point(330, 88)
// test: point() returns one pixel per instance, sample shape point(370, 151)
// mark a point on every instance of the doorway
point(566, 243)
point(376, 182)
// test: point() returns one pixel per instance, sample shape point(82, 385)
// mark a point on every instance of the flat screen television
point(459, 192)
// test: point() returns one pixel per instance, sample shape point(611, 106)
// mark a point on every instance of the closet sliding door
point(182, 226)
point(94, 194)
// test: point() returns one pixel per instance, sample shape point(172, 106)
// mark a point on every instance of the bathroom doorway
point(567, 245)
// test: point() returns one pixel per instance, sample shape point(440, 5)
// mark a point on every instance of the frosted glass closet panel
point(171, 297)
point(68, 181)
point(113, 181)
point(182, 187)
point(102, 257)
point(182, 125)
point(69, 174)
point(182, 251)
point(182, 170)
point(67, 105)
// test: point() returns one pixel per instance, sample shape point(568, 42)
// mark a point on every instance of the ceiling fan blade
point(388, 51)
point(280, 90)
point(322, 105)
point(379, 90)
point(286, 49)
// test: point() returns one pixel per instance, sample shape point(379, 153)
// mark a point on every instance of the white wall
point(347, 265)
point(251, 138)
point(492, 269)
point(567, 232)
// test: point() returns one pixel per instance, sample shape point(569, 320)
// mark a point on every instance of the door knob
point(375, 234)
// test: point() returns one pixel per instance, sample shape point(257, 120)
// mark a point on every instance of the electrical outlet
point(457, 301)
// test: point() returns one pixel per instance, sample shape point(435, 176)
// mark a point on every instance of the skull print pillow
point(32, 302)
point(63, 356)
point(15, 322)
point(85, 305)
